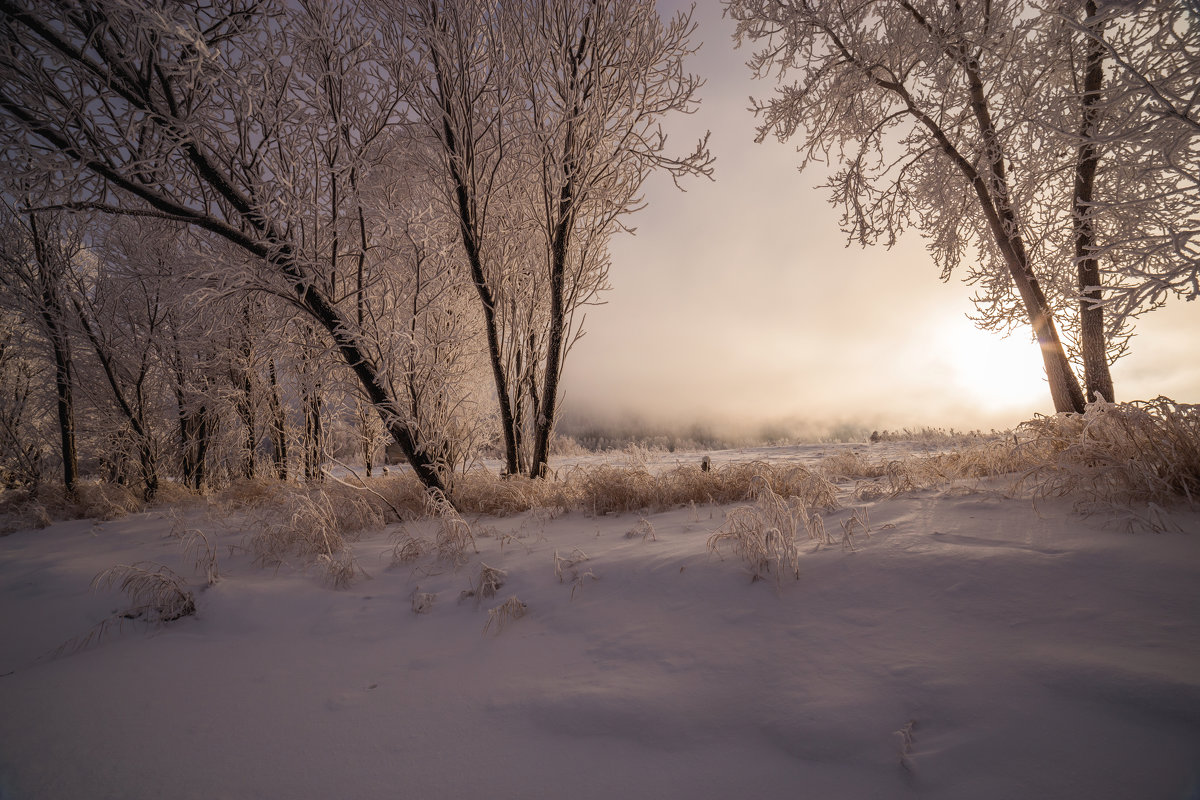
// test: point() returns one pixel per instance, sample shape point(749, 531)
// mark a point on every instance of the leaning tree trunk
point(1093, 338)
point(991, 187)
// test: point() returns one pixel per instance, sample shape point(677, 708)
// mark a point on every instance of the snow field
point(977, 648)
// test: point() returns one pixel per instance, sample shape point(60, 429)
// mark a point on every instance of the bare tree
point(203, 114)
point(120, 294)
point(459, 91)
point(21, 448)
point(546, 117)
point(36, 251)
point(598, 79)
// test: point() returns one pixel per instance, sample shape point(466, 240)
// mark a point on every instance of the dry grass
point(508, 611)
point(567, 570)
point(203, 553)
point(1130, 459)
point(489, 583)
point(605, 488)
point(158, 595)
point(1118, 456)
point(407, 548)
point(454, 534)
point(763, 535)
point(316, 526)
point(644, 529)
point(157, 592)
point(422, 602)
point(986, 458)
point(21, 508)
point(851, 465)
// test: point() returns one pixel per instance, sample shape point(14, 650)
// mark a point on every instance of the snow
point(972, 646)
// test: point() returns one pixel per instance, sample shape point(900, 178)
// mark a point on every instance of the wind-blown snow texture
point(977, 649)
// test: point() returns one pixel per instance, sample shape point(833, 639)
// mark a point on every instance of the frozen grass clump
point(508, 611)
point(984, 458)
point(314, 525)
point(454, 535)
point(1138, 453)
point(489, 583)
point(199, 547)
point(157, 593)
point(605, 489)
point(851, 465)
point(932, 437)
point(763, 535)
point(479, 491)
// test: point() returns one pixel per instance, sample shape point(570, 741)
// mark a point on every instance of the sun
point(996, 373)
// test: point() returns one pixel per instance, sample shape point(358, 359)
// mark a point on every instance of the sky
point(738, 304)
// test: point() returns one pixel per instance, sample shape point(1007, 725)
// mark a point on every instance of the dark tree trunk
point(52, 317)
point(992, 189)
point(66, 414)
point(1093, 338)
point(560, 249)
point(544, 422)
point(460, 165)
point(314, 439)
point(246, 413)
point(279, 454)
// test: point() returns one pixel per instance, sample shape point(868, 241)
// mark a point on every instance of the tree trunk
point(314, 439)
point(560, 248)
point(66, 413)
point(995, 199)
point(468, 228)
point(52, 316)
point(1093, 338)
point(366, 438)
point(544, 423)
point(279, 454)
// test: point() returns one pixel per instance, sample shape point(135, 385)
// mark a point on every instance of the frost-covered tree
point(596, 80)
point(212, 114)
point(546, 118)
point(36, 251)
point(22, 459)
point(992, 128)
point(1148, 136)
point(122, 297)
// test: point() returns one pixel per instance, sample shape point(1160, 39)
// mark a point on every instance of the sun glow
point(994, 372)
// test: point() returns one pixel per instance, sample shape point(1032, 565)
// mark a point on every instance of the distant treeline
point(593, 436)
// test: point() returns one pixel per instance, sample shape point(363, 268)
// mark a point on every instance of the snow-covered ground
point(971, 646)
